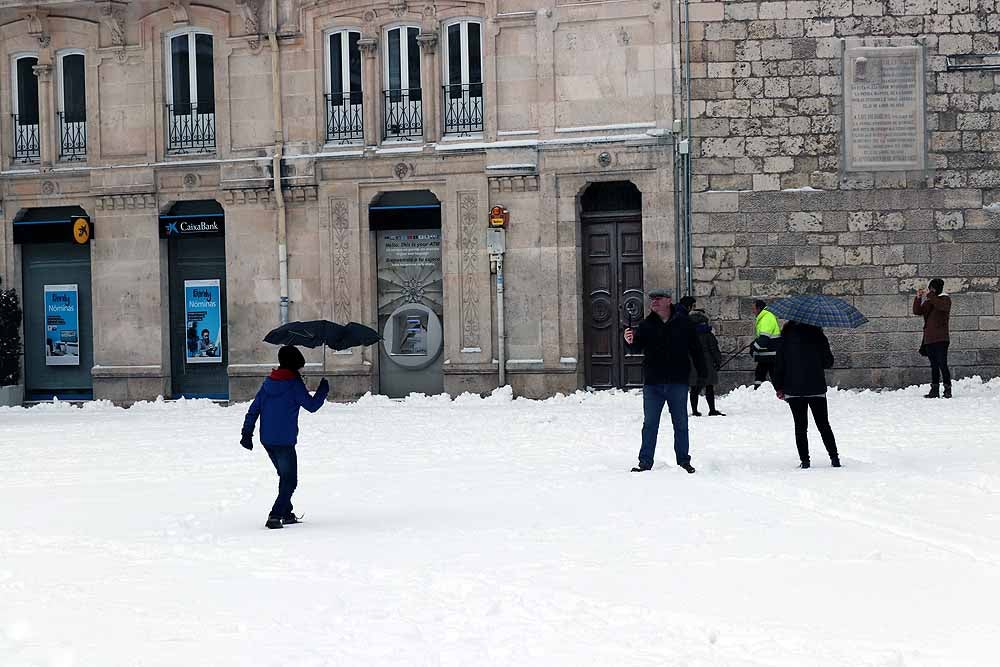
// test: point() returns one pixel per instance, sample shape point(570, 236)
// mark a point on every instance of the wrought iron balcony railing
point(463, 108)
point(403, 114)
point(72, 139)
point(26, 140)
point(190, 128)
point(344, 118)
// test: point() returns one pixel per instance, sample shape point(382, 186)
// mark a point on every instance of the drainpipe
point(688, 251)
point(279, 145)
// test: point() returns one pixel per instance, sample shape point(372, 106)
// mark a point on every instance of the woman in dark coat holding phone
point(800, 380)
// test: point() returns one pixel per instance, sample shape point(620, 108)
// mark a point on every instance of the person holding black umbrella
point(799, 379)
point(277, 404)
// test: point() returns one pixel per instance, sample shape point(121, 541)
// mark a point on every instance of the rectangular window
point(403, 109)
point(205, 73)
point(25, 106)
point(191, 93)
point(344, 98)
point(27, 92)
point(74, 95)
point(354, 65)
point(463, 75)
point(180, 74)
point(72, 113)
point(413, 63)
point(395, 73)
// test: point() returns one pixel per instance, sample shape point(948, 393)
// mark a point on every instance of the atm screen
point(411, 334)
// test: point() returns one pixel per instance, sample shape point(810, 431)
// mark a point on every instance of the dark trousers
point(287, 464)
point(800, 414)
point(764, 370)
point(937, 354)
point(709, 397)
point(653, 398)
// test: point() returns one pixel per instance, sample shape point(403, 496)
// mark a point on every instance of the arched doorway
point(611, 220)
point(410, 291)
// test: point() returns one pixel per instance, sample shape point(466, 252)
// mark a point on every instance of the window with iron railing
point(463, 75)
point(25, 106)
point(72, 114)
point(344, 104)
point(191, 93)
point(402, 107)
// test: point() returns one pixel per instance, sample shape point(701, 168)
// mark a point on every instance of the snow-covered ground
point(497, 532)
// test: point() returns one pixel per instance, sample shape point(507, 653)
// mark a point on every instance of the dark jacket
point(709, 349)
point(277, 403)
point(936, 311)
point(801, 360)
point(669, 348)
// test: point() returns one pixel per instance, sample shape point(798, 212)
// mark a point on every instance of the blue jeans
point(287, 464)
point(653, 398)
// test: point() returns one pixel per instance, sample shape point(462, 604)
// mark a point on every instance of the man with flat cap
point(670, 344)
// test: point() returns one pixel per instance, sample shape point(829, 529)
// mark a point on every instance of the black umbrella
point(316, 333)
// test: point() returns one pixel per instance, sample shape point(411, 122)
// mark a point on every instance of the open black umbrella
point(316, 333)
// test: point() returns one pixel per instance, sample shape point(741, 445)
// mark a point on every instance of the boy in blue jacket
point(277, 404)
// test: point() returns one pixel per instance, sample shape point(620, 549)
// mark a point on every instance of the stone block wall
point(775, 215)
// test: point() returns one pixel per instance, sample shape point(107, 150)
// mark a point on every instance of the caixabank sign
point(179, 226)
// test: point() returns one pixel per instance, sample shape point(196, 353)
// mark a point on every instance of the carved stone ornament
point(190, 180)
point(429, 11)
point(369, 17)
point(604, 159)
point(37, 27)
point(250, 10)
point(368, 46)
point(427, 41)
point(113, 18)
point(397, 7)
point(48, 188)
point(180, 12)
point(401, 169)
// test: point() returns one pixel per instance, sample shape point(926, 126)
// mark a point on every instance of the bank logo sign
point(194, 226)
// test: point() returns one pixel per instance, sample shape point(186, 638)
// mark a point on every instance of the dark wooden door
point(613, 300)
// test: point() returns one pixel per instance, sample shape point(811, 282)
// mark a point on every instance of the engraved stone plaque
point(884, 109)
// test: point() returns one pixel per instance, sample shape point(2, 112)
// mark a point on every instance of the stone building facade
point(776, 212)
point(390, 129)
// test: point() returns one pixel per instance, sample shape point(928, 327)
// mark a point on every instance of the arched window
point(344, 116)
point(191, 91)
point(25, 105)
point(463, 76)
point(72, 102)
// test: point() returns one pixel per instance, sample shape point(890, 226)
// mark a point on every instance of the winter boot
point(695, 413)
point(273, 522)
point(716, 413)
point(640, 469)
point(687, 466)
point(933, 393)
point(947, 391)
point(804, 465)
point(290, 518)
point(835, 461)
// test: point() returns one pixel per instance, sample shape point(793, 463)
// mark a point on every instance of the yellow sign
point(81, 230)
point(498, 216)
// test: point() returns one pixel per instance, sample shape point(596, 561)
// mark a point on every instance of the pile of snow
point(503, 531)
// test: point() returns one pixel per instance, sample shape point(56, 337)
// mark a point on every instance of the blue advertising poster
point(203, 315)
point(62, 325)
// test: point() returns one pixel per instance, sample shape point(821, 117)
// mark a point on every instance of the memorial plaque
point(884, 109)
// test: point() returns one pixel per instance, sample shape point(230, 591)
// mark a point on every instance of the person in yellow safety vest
point(765, 345)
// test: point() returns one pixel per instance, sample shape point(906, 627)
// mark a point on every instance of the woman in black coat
point(799, 379)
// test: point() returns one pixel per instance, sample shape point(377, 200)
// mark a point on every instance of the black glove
point(324, 387)
point(247, 440)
